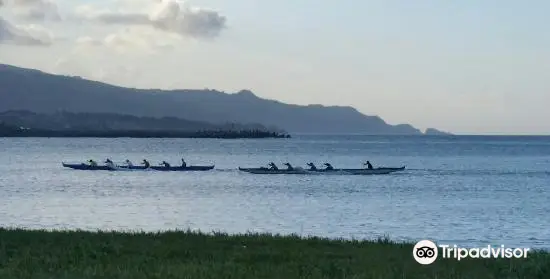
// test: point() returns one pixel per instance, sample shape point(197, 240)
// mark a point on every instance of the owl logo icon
point(425, 252)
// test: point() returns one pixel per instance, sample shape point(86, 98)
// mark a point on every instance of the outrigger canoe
point(181, 168)
point(382, 170)
point(83, 166)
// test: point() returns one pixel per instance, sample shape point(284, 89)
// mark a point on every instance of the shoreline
point(142, 134)
point(106, 254)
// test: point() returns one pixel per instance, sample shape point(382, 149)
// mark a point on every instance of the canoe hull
point(180, 168)
point(86, 167)
point(270, 171)
point(393, 169)
point(383, 170)
point(133, 167)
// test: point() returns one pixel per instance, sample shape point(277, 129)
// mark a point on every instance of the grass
point(78, 254)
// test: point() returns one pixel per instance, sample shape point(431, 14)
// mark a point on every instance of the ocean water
point(464, 190)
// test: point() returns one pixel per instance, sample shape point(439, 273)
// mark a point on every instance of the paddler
point(329, 166)
point(272, 166)
point(312, 166)
point(110, 164)
point(92, 163)
point(146, 163)
point(129, 163)
point(369, 165)
point(183, 163)
point(165, 164)
point(289, 166)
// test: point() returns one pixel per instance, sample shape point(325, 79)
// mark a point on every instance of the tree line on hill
point(67, 124)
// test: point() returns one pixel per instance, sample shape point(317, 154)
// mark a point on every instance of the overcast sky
point(465, 66)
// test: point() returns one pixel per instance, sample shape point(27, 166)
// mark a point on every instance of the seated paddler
point(110, 163)
point(312, 166)
point(369, 165)
point(272, 166)
point(289, 166)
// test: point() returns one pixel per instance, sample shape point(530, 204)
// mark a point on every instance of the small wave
point(474, 172)
point(227, 170)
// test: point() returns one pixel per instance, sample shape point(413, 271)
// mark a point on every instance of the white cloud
point(88, 41)
point(136, 38)
point(114, 33)
point(35, 10)
point(146, 24)
point(38, 32)
point(94, 59)
point(168, 16)
point(32, 35)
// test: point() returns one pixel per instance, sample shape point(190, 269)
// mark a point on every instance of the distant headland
point(40, 92)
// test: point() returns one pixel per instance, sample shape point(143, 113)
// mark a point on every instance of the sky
point(467, 67)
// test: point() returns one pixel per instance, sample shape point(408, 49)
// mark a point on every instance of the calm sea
point(459, 190)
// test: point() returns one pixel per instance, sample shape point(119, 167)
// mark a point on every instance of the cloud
point(107, 72)
point(32, 35)
point(88, 41)
point(35, 10)
point(129, 39)
point(168, 16)
point(122, 18)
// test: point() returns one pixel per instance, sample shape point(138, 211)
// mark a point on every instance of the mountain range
point(41, 92)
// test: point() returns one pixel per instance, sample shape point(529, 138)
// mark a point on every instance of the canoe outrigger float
point(313, 170)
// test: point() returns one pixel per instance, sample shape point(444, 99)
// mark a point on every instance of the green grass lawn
point(60, 255)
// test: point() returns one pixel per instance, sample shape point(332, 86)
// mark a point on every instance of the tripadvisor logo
point(426, 252)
